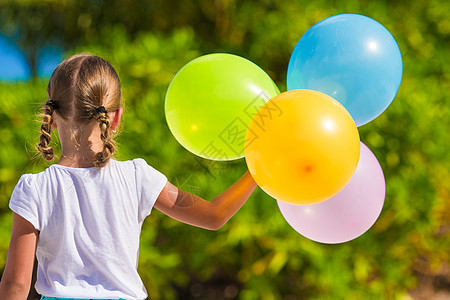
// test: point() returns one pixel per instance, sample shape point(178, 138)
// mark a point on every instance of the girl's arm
point(191, 209)
point(16, 278)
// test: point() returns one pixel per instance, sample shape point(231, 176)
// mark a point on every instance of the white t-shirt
point(89, 221)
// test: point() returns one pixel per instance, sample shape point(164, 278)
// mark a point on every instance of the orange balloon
point(302, 147)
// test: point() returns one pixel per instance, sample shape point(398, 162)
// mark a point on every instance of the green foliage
point(257, 255)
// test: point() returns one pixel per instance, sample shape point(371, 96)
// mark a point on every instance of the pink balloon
point(346, 215)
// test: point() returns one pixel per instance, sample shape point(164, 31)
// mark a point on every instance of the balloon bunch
point(301, 146)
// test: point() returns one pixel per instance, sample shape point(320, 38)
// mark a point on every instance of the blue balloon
point(353, 59)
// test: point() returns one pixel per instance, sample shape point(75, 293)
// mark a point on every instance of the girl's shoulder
point(140, 168)
point(33, 178)
point(135, 164)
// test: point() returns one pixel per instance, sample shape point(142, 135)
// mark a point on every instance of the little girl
point(82, 217)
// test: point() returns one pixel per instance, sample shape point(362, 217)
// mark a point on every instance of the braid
point(46, 129)
point(102, 158)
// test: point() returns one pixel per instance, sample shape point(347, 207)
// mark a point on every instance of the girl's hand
point(191, 209)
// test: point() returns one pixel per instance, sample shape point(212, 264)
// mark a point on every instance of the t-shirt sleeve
point(23, 201)
point(150, 183)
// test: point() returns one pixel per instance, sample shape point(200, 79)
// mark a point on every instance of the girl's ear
point(115, 118)
point(55, 121)
point(54, 124)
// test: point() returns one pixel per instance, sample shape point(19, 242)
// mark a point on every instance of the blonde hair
point(81, 89)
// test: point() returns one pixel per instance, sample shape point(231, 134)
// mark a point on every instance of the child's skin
point(174, 202)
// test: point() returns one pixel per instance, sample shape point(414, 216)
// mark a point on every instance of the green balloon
point(210, 102)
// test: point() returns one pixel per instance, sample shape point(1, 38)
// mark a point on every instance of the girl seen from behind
point(82, 216)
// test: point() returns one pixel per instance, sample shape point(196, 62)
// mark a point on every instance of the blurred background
point(256, 255)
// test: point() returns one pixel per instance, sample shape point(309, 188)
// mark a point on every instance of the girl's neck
point(79, 145)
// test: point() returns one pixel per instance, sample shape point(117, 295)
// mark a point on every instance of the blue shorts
point(57, 298)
